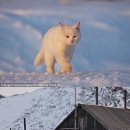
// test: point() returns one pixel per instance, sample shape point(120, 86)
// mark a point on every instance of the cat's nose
point(72, 41)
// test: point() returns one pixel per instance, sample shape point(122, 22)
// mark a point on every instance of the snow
point(104, 46)
point(47, 106)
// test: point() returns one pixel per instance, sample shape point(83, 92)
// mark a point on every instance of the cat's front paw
point(50, 70)
point(66, 69)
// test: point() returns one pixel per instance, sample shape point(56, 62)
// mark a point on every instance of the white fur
point(58, 46)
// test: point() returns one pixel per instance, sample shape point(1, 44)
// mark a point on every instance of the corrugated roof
point(110, 118)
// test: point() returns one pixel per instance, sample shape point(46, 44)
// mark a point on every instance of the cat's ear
point(77, 26)
point(61, 24)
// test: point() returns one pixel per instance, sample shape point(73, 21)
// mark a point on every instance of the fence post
point(24, 123)
point(75, 114)
point(96, 96)
point(125, 99)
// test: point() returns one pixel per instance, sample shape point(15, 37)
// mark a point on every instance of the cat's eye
point(67, 37)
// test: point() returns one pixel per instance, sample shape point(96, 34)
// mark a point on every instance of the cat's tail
point(39, 58)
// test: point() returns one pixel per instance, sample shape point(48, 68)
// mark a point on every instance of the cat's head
point(71, 33)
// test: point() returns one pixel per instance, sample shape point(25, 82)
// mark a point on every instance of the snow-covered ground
point(46, 107)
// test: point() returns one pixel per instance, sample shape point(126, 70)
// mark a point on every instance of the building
point(93, 117)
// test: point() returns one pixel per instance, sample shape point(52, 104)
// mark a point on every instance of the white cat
point(58, 46)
